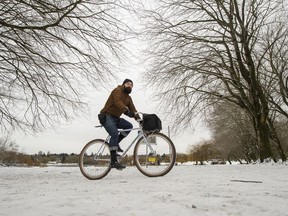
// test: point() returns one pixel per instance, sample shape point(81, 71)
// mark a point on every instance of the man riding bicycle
point(119, 102)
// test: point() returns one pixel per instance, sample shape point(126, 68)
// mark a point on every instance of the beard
point(127, 90)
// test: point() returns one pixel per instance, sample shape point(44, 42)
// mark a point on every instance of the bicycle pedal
point(119, 149)
point(117, 166)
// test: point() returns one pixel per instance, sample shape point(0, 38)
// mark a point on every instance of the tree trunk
point(262, 133)
point(280, 149)
point(274, 137)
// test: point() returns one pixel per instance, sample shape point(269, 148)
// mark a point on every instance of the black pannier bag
point(151, 122)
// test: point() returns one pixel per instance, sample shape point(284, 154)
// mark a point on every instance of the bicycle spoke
point(95, 159)
point(154, 156)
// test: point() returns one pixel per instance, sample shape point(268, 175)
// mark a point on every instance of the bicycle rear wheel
point(154, 155)
point(94, 160)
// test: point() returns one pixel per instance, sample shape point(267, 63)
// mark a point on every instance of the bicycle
point(154, 154)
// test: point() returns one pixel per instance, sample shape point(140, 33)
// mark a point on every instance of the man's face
point(128, 84)
point(128, 87)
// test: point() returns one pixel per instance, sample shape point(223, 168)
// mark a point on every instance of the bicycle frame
point(140, 134)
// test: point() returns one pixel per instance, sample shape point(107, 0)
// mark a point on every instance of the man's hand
point(129, 113)
point(140, 121)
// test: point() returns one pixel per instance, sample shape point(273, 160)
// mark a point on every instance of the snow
point(254, 189)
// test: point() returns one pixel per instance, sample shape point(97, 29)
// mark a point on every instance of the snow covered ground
point(259, 189)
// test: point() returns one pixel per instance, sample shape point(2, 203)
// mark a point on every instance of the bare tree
point(8, 151)
point(203, 151)
point(7, 145)
point(208, 51)
point(232, 131)
point(50, 51)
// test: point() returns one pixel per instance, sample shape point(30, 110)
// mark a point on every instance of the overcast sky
point(71, 137)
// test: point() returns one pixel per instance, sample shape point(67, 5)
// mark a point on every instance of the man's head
point(128, 85)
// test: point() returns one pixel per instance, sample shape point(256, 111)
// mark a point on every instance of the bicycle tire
point(158, 162)
point(94, 159)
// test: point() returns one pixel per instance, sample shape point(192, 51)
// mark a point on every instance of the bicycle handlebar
point(141, 119)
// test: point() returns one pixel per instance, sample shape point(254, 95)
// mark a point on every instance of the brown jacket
point(118, 102)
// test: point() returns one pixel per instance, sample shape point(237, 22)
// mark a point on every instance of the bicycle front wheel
point(154, 154)
point(94, 160)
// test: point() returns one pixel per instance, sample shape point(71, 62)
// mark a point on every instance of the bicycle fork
point(145, 140)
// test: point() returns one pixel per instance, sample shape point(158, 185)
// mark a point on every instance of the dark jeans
point(111, 125)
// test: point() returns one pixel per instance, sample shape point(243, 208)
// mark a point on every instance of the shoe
point(119, 149)
point(117, 165)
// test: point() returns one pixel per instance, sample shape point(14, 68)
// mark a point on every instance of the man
point(118, 103)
